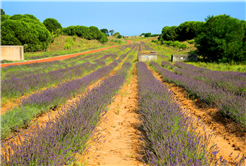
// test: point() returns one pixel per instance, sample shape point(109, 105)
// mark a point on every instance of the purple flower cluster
point(233, 82)
point(167, 64)
point(34, 68)
point(230, 105)
point(59, 141)
point(16, 87)
point(169, 135)
point(51, 98)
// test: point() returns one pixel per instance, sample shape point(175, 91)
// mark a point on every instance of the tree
point(104, 30)
point(103, 38)
point(25, 30)
point(221, 38)
point(2, 12)
point(111, 32)
point(188, 30)
point(168, 33)
point(82, 31)
point(116, 34)
point(95, 32)
point(52, 24)
point(4, 17)
point(147, 34)
point(119, 36)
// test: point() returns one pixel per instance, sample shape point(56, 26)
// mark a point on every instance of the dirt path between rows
point(15, 102)
point(228, 136)
point(52, 114)
point(120, 142)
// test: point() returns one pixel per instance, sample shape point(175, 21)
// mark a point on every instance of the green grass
point(221, 66)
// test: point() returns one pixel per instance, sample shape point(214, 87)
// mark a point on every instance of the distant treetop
point(2, 12)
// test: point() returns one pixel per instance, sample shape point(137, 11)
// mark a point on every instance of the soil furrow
point(118, 131)
point(228, 136)
point(44, 118)
point(15, 102)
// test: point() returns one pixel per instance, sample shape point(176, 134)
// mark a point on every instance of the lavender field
point(169, 135)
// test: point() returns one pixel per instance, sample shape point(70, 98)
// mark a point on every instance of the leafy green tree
point(4, 17)
point(111, 32)
point(154, 35)
point(52, 25)
point(222, 38)
point(104, 30)
point(116, 34)
point(25, 30)
point(69, 30)
point(119, 36)
point(147, 34)
point(95, 32)
point(2, 12)
point(168, 33)
point(103, 38)
point(188, 30)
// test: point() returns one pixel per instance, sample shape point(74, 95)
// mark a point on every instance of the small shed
point(184, 58)
point(12, 53)
point(148, 56)
point(142, 35)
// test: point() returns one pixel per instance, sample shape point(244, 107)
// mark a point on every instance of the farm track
point(44, 118)
point(228, 136)
point(15, 102)
point(57, 58)
point(118, 130)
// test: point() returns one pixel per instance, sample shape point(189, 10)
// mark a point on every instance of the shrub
point(52, 24)
point(222, 38)
point(25, 29)
point(103, 38)
point(119, 36)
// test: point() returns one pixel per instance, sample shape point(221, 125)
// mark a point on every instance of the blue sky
point(128, 18)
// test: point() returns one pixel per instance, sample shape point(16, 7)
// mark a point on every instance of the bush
point(52, 25)
point(222, 38)
point(103, 38)
point(188, 30)
point(74, 38)
point(67, 46)
point(119, 36)
point(95, 32)
point(116, 34)
point(191, 41)
point(176, 44)
point(25, 29)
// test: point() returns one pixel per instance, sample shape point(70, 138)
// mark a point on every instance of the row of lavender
point(45, 56)
point(233, 82)
point(169, 134)
point(167, 65)
point(16, 87)
point(59, 141)
point(50, 98)
point(230, 105)
point(147, 47)
point(30, 69)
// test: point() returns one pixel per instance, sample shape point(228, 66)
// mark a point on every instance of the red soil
point(58, 57)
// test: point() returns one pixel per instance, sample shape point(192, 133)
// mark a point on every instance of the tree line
point(27, 30)
point(219, 39)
